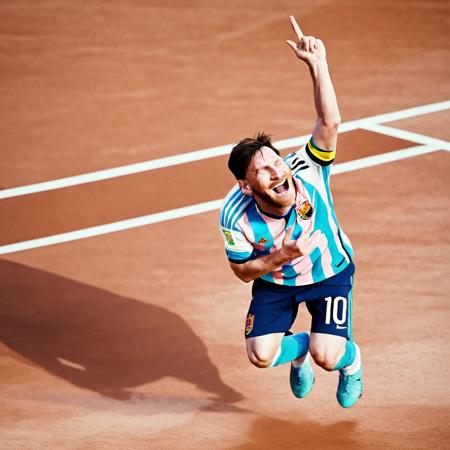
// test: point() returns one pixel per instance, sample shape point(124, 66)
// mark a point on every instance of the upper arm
point(238, 248)
point(325, 135)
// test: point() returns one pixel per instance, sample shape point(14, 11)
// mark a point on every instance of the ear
point(245, 187)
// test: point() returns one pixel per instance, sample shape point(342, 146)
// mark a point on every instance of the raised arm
point(312, 51)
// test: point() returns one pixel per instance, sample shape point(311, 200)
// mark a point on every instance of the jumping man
point(281, 232)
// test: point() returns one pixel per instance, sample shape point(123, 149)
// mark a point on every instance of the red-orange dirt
point(135, 339)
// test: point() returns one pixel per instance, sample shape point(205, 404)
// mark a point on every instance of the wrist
point(317, 66)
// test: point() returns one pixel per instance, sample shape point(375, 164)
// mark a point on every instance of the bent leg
point(273, 349)
point(337, 353)
point(334, 352)
point(327, 350)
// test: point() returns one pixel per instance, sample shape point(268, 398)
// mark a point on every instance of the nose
point(277, 173)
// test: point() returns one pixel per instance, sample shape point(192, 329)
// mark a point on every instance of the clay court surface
point(134, 338)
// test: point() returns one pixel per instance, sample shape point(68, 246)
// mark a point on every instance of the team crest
point(305, 211)
point(228, 237)
point(249, 324)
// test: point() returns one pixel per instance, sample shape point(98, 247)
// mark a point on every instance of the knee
point(261, 359)
point(326, 359)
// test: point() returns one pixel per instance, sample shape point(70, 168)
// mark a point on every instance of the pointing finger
point(296, 28)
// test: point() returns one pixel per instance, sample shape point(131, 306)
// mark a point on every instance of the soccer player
point(281, 232)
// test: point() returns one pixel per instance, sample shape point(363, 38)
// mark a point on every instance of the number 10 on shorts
point(333, 309)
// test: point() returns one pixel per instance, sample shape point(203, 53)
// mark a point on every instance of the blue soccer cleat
point(350, 388)
point(301, 379)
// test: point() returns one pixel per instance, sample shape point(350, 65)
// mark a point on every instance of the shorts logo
point(228, 237)
point(249, 324)
point(263, 241)
point(305, 211)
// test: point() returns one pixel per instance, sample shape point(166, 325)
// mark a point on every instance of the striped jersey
point(250, 233)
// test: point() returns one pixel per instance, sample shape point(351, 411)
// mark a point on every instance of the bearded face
point(269, 181)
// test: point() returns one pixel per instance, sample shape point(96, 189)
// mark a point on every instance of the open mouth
point(281, 187)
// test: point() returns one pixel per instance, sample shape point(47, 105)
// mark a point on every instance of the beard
point(272, 199)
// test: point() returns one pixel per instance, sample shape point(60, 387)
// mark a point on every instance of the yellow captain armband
point(319, 155)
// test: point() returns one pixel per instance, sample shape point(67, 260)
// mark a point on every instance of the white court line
point(209, 153)
point(383, 158)
point(407, 135)
point(200, 207)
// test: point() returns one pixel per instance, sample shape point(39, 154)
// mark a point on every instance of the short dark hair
point(242, 154)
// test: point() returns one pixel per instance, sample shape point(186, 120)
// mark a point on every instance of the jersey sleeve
point(311, 155)
point(319, 155)
point(239, 250)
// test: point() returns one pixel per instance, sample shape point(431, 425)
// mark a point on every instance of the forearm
point(324, 95)
point(258, 267)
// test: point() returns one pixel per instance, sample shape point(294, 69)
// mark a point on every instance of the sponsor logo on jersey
point(305, 211)
point(249, 324)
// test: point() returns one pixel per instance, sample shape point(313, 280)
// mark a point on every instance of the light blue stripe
point(333, 213)
point(321, 222)
point(226, 207)
point(317, 270)
point(268, 277)
point(230, 205)
point(350, 312)
point(260, 230)
point(289, 273)
point(237, 256)
point(240, 211)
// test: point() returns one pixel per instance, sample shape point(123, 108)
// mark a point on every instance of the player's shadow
point(99, 340)
point(268, 432)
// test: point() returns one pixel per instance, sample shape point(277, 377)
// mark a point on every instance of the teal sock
point(348, 357)
point(291, 347)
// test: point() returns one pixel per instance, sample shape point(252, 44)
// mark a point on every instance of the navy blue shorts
point(274, 307)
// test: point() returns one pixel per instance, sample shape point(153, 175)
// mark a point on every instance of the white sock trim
point(275, 358)
point(300, 364)
point(355, 365)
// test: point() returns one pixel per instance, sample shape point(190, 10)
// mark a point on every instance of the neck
point(271, 209)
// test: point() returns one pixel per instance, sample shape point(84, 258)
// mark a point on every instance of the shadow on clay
point(101, 341)
point(268, 432)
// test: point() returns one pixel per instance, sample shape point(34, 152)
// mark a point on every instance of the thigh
point(263, 347)
point(272, 310)
point(328, 346)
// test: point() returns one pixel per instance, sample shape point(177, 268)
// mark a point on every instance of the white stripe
point(200, 207)
point(407, 135)
point(208, 153)
point(383, 158)
point(113, 227)
point(332, 223)
point(234, 200)
point(117, 171)
point(402, 114)
point(237, 215)
point(239, 205)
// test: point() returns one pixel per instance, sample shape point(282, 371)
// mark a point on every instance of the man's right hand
point(290, 250)
point(307, 48)
point(304, 245)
